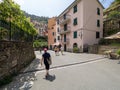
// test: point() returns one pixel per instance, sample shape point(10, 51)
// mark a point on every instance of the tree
point(117, 1)
point(20, 27)
point(3, 33)
point(114, 15)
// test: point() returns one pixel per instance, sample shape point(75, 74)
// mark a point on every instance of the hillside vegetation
point(41, 19)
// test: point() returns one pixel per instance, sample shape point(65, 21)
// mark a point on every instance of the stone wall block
point(14, 56)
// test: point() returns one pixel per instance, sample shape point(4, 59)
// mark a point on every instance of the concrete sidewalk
point(62, 60)
point(71, 71)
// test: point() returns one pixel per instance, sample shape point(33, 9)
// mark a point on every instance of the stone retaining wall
point(100, 49)
point(14, 56)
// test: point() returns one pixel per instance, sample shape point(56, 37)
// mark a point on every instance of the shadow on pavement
point(21, 82)
point(50, 78)
point(33, 66)
point(24, 81)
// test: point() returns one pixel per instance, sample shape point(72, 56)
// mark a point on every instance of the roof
point(75, 2)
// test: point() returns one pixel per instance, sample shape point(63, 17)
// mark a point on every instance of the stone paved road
point(70, 72)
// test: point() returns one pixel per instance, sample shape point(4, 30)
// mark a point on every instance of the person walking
point(46, 58)
point(61, 49)
point(40, 51)
point(55, 49)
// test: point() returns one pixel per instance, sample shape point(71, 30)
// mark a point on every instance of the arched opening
point(75, 48)
point(75, 45)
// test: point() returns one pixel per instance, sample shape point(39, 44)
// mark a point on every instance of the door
point(65, 38)
point(50, 47)
point(65, 47)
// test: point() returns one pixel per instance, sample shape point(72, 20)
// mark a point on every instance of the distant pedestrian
point(55, 49)
point(46, 58)
point(61, 49)
point(58, 51)
point(40, 50)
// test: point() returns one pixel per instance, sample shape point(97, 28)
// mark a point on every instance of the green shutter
point(75, 34)
point(75, 9)
point(75, 21)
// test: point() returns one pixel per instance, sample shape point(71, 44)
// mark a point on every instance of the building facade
point(80, 25)
point(51, 32)
point(40, 27)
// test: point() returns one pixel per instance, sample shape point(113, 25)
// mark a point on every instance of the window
point(75, 45)
point(55, 40)
point(98, 23)
point(75, 9)
point(64, 16)
point(58, 29)
point(75, 34)
point(65, 38)
point(58, 21)
point(98, 11)
point(75, 21)
point(53, 33)
point(97, 34)
point(65, 27)
point(58, 37)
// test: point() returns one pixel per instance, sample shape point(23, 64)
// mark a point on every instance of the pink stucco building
point(80, 25)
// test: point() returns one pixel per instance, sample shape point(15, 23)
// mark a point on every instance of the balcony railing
point(64, 31)
point(64, 20)
point(65, 41)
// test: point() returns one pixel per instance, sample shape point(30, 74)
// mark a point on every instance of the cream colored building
point(81, 24)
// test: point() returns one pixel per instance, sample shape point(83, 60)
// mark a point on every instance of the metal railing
point(65, 30)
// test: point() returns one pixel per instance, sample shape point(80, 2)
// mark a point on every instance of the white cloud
point(0, 0)
point(20, 2)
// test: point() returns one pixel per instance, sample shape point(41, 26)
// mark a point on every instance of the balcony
point(64, 20)
point(65, 41)
point(64, 31)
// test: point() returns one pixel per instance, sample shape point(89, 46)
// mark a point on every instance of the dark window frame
point(65, 27)
point(75, 21)
point(98, 11)
point(58, 37)
point(75, 9)
point(58, 22)
point(53, 33)
point(75, 34)
point(64, 16)
point(98, 23)
point(97, 35)
point(54, 40)
point(58, 29)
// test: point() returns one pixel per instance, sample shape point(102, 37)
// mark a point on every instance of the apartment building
point(81, 24)
point(51, 32)
point(41, 28)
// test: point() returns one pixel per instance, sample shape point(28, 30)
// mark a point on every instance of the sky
point(49, 8)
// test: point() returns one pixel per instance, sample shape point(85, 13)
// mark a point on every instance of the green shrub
point(75, 49)
point(36, 44)
point(118, 52)
point(103, 41)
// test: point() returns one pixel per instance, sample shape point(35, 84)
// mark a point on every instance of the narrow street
point(71, 71)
